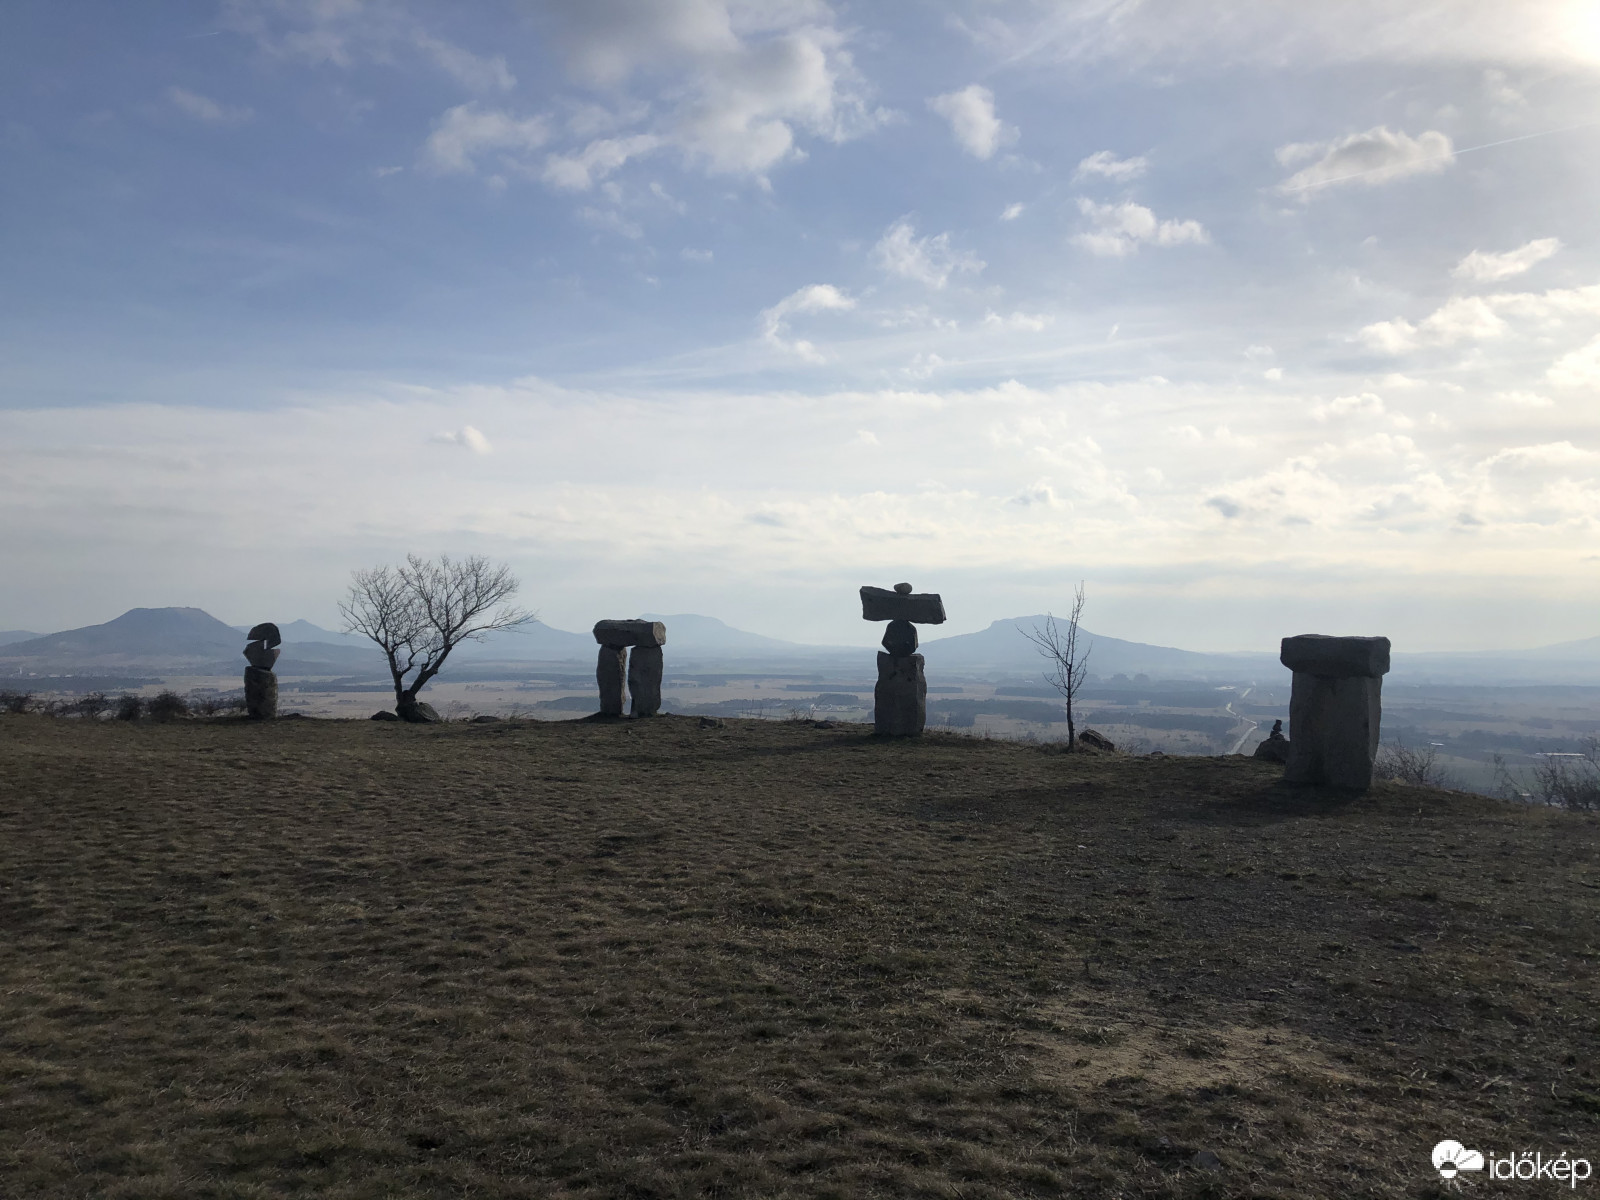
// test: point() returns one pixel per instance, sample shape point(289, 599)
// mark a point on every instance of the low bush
point(90, 706)
point(1570, 781)
point(15, 702)
point(1410, 764)
point(129, 707)
point(167, 705)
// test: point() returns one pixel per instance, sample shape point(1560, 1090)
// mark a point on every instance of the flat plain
point(767, 958)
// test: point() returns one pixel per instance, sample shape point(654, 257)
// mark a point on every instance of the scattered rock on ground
point(383, 715)
point(1096, 739)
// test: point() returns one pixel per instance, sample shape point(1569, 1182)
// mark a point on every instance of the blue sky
point(1259, 318)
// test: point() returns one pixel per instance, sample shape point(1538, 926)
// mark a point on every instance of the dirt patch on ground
point(767, 959)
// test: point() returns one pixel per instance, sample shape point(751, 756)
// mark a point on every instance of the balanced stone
point(1335, 708)
point(644, 680)
point(900, 699)
point(609, 673)
point(260, 656)
point(900, 638)
point(880, 604)
point(260, 694)
point(265, 632)
point(630, 633)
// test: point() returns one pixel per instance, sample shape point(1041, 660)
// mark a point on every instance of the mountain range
point(191, 641)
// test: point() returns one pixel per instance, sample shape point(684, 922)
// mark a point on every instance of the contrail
point(1442, 157)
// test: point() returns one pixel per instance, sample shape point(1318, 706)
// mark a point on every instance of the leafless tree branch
point(1066, 668)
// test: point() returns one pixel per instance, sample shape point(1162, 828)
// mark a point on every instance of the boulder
point(901, 696)
point(880, 604)
point(1336, 657)
point(1096, 739)
point(630, 633)
point(1274, 749)
point(900, 638)
point(383, 715)
point(418, 713)
point(484, 719)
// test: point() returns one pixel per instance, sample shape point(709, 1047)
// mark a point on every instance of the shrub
point(15, 702)
point(90, 706)
point(166, 705)
point(1408, 764)
point(129, 707)
point(1570, 781)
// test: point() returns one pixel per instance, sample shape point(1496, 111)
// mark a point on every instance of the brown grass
point(645, 959)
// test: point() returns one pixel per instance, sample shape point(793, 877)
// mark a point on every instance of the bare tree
point(420, 612)
point(1066, 669)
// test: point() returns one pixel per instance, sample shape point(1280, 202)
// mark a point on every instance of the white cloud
point(1489, 268)
point(1029, 323)
point(814, 298)
point(1377, 156)
point(1012, 212)
point(579, 172)
point(1479, 318)
point(972, 118)
point(1362, 404)
point(1040, 495)
point(1519, 399)
point(203, 108)
point(467, 131)
point(1548, 455)
point(1109, 166)
point(479, 74)
point(691, 254)
point(736, 83)
point(1578, 369)
point(1120, 229)
point(928, 260)
point(467, 437)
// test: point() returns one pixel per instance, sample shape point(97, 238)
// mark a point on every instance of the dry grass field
point(651, 959)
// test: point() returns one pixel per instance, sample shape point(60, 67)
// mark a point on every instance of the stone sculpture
point(1335, 705)
point(1274, 747)
point(641, 669)
point(260, 684)
point(901, 696)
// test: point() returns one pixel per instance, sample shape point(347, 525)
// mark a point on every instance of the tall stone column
point(609, 674)
point(644, 680)
point(260, 684)
point(1335, 708)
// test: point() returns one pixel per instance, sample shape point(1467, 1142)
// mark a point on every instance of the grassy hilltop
point(651, 959)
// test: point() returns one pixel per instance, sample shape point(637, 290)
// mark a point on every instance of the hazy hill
point(177, 635)
point(1002, 647)
point(7, 636)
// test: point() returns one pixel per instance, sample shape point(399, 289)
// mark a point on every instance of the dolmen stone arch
point(260, 684)
point(900, 699)
point(1335, 708)
point(631, 651)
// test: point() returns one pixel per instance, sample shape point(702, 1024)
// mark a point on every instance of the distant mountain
point(690, 633)
point(7, 636)
point(1002, 647)
point(189, 635)
point(177, 639)
point(533, 642)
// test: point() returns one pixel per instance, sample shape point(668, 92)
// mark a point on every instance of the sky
point(1258, 318)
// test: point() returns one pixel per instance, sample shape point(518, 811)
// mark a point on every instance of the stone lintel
point(1336, 657)
point(630, 633)
point(921, 608)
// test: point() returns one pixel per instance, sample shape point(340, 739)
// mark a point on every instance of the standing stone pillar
point(900, 699)
point(609, 673)
point(1335, 706)
point(642, 667)
point(260, 684)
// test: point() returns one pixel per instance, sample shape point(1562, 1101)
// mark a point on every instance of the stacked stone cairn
point(1335, 705)
point(631, 651)
point(901, 696)
point(260, 684)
